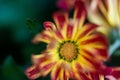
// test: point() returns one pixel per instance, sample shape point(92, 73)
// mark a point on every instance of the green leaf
point(34, 27)
point(117, 53)
point(12, 71)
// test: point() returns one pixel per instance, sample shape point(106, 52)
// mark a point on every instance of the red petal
point(69, 30)
point(38, 60)
point(99, 38)
point(72, 75)
point(60, 19)
point(33, 72)
point(46, 67)
point(49, 25)
point(87, 29)
point(80, 9)
point(58, 34)
point(96, 65)
point(102, 52)
point(64, 75)
point(45, 36)
point(115, 72)
point(82, 75)
point(95, 76)
point(56, 73)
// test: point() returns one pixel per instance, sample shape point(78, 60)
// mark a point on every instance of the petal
point(116, 73)
point(111, 73)
point(95, 65)
point(46, 68)
point(69, 31)
point(72, 74)
point(33, 72)
point(37, 59)
point(56, 34)
point(45, 36)
point(80, 72)
point(80, 12)
point(95, 44)
point(60, 19)
point(96, 76)
point(84, 76)
point(63, 75)
point(85, 30)
point(96, 38)
point(86, 65)
point(80, 9)
point(113, 12)
point(49, 25)
point(55, 72)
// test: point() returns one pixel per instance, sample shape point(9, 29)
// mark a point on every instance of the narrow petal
point(85, 30)
point(36, 59)
point(63, 75)
point(85, 64)
point(80, 12)
point(45, 36)
point(80, 9)
point(94, 64)
point(69, 31)
point(97, 38)
point(49, 25)
point(46, 68)
point(60, 19)
point(33, 72)
point(55, 72)
point(81, 73)
point(72, 74)
point(95, 76)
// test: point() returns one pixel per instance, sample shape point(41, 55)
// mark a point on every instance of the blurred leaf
point(117, 53)
point(30, 24)
point(33, 27)
point(12, 71)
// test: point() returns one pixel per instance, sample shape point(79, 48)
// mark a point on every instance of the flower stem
point(114, 47)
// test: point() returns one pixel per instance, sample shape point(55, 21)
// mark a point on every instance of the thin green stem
point(114, 47)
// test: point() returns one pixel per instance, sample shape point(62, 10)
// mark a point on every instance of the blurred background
point(20, 21)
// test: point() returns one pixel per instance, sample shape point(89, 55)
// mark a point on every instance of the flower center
point(68, 51)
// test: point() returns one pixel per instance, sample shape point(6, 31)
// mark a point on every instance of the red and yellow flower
point(105, 13)
point(73, 48)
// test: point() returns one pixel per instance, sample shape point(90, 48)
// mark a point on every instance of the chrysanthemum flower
point(105, 13)
point(73, 48)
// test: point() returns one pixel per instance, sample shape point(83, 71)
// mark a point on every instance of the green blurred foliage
point(11, 71)
point(20, 21)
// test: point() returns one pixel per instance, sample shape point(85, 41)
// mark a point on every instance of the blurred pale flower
point(74, 49)
point(105, 13)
